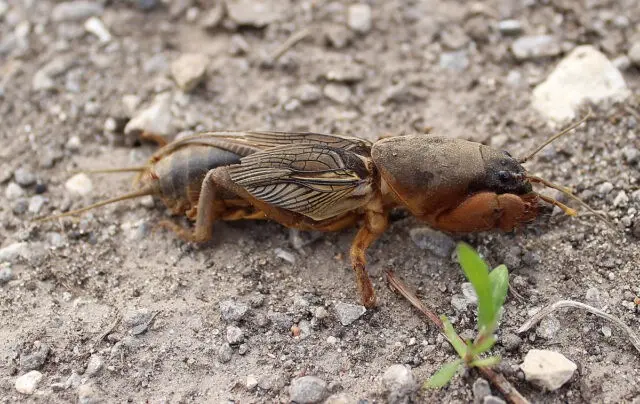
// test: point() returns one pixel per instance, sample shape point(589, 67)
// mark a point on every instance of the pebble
point(341, 398)
point(510, 27)
point(285, 255)
point(252, 382)
point(456, 60)
point(634, 54)
point(548, 327)
point(349, 73)
point(481, 389)
point(459, 302)
point(20, 206)
point(621, 200)
point(338, 36)
point(535, 46)
point(36, 203)
point(224, 353)
point(155, 119)
point(234, 335)
point(399, 382)
point(6, 274)
point(88, 394)
point(135, 317)
point(189, 70)
point(95, 26)
point(213, 16)
point(4, 7)
point(256, 13)
point(331, 340)
point(308, 390)
point(14, 251)
point(547, 369)
point(636, 228)
point(606, 331)
point(24, 177)
point(605, 188)
point(43, 78)
point(13, 191)
point(469, 293)
point(438, 243)
point(511, 342)
point(95, 365)
point(28, 382)
point(232, 310)
point(493, 400)
point(348, 313)
point(585, 75)
point(74, 143)
point(337, 92)
point(35, 359)
point(79, 184)
point(622, 63)
point(308, 93)
point(76, 10)
point(359, 18)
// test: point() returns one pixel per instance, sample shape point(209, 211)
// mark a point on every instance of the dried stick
point(536, 318)
point(497, 379)
point(289, 43)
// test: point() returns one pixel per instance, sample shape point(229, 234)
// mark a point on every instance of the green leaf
point(486, 362)
point(453, 337)
point(499, 279)
point(484, 345)
point(444, 375)
point(477, 272)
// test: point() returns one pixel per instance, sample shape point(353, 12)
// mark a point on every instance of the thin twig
point(289, 43)
point(536, 318)
point(108, 331)
point(497, 379)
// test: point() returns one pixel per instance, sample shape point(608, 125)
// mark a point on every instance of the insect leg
point(375, 224)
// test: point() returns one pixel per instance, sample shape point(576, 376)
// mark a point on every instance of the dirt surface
point(65, 97)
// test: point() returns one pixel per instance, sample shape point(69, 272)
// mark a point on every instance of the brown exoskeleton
point(311, 181)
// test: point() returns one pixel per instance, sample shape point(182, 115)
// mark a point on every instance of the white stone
point(634, 54)
point(359, 18)
point(95, 26)
point(13, 191)
point(584, 75)
point(79, 184)
point(547, 369)
point(155, 119)
point(14, 251)
point(256, 13)
point(348, 313)
point(252, 382)
point(337, 92)
point(189, 70)
point(28, 382)
point(399, 378)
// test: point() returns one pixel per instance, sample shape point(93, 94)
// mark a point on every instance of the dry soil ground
point(65, 95)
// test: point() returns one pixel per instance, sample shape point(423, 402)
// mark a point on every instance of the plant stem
point(497, 379)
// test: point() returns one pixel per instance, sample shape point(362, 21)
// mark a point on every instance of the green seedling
point(491, 288)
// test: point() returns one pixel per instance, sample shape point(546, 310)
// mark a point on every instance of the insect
point(311, 181)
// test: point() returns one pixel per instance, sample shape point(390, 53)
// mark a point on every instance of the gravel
point(225, 353)
point(234, 335)
point(94, 366)
point(35, 359)
point(156, 119)
point(547, 369)
point(232, 310)
point(28, 382)
point(189, 70)
point(399, 382)
point(79, 185)
point(347, 313)
point(308, 390)
point(359, 18)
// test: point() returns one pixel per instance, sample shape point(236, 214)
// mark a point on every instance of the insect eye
point(504, 176)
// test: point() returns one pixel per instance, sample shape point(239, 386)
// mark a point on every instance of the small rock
point(511, 342)
point(547, 369)
point(88, 394)
point(459, 302)
point(456, 60)
point(224, 353)
point(252, 382)
point(605, 188)
point(349, 73)
point(331, 340)
point(155, 119)
point(399, 383)
point(548, 327)
point(74, 143)
point(631, 154)
point(146, 5)
point(337, 92)
point(636, 228)
point(493, 400)
point(285, 255)
point(621, 63)
point(24, 177)
point(634, 54)
point(469, 293)
point(585, 75)
point(14, 251)
point(94, 366)
point(338, 36)
point(621, 200)
point(510, 27)
point(256, 13)
point(35, 203)
point(348, 313)
point(43, 78)
point(359, 18)
point(35, 359)
point(135, 317)
point(308, 390)
point(213, 16)
point(238, 45)
point(537, 46)
point(438, 243)
point(189, 70)
point(340, 398)
point(28, 382)
point(13, 191)
point(20, 206)
point(76, 10)
point(281, 321)
point(308, 93)
point(234, 335)
point(79, 184)
point(233, 311)
point(6, 274)
point(481, 389)
point(4, 7)
point(606, 331)
point(95, 26)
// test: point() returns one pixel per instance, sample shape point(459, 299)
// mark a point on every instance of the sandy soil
point(70, 281)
